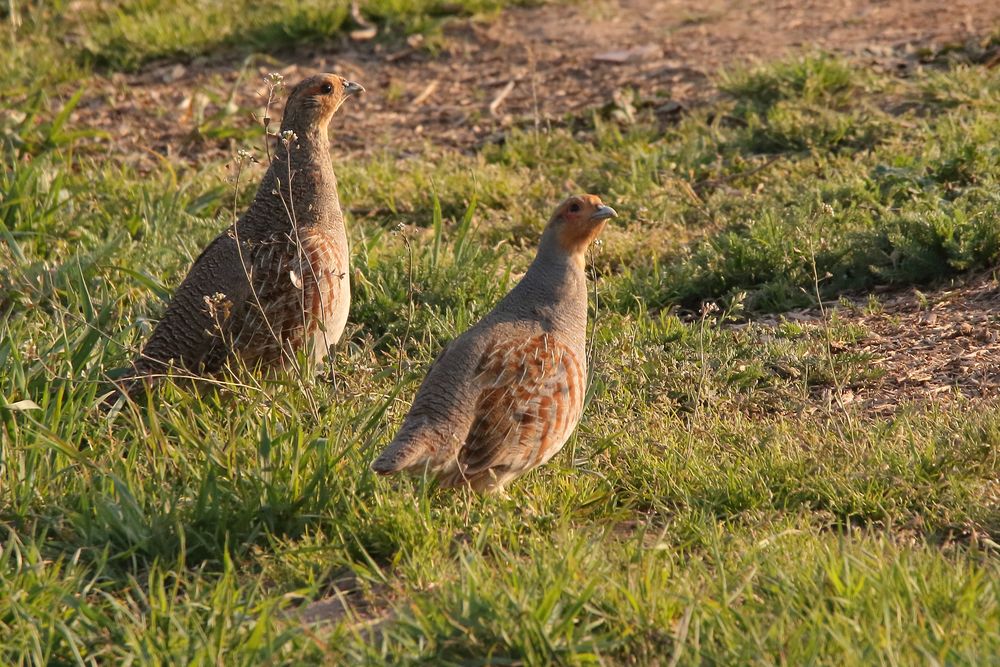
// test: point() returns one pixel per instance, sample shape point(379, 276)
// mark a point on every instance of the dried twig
point(500, 97)
point(365, 30)
point(425, 93)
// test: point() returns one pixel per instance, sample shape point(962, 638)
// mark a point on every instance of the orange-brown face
point(580, 219)
point(321, 95)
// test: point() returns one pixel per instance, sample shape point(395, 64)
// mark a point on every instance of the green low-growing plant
point(132, 33)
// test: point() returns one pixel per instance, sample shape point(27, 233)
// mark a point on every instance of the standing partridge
point(505, 396)
point(277, 280)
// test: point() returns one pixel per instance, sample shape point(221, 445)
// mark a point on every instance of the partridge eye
point(575, 208)
point(326, 88)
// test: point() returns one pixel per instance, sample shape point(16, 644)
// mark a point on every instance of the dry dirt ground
point(536, 65)
point(944, 344)
point(935, 346)
point(529, 65)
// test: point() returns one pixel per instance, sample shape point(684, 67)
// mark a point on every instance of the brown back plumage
point(277, 280)
point(504, 397)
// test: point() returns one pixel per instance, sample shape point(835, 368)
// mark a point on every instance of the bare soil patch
point(527, 66)
point(940, 346)
point(935, 347)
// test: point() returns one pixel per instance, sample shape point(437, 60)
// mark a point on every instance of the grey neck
point(557, 282)
point(299, 186)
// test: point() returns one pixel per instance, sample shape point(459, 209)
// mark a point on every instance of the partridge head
point(577, 222)
point(313, 102)
point(506, 395)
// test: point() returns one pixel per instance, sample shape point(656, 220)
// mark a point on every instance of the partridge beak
point(351, 88)
point(603, 213)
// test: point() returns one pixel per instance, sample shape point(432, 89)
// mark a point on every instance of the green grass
point(127, 34)
point(710, 508)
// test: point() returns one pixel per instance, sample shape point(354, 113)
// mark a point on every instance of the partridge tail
point(409, 449)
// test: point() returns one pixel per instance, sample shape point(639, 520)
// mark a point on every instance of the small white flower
point(288, 137)
point(274, 79)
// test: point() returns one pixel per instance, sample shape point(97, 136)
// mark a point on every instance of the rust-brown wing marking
point(294, 296)
point(531, 400)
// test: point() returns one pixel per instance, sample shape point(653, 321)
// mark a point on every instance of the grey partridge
point(276, 281)
point(505, 396)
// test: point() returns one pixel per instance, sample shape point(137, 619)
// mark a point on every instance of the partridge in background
point(505, 396)
point(277, 280)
